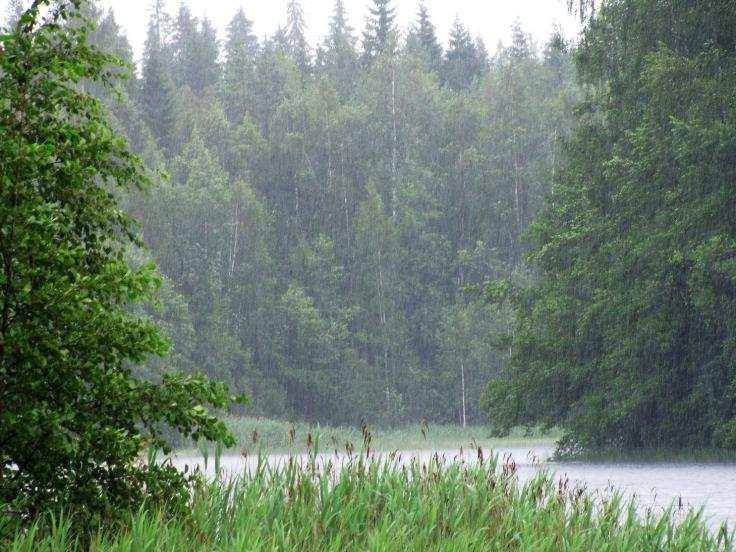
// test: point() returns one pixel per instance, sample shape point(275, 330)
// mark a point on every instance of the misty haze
point(367, 275)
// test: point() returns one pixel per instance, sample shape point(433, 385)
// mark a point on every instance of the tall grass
point(254, 434)
point(384, 504)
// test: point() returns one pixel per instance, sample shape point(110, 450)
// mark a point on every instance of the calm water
point(711, 486)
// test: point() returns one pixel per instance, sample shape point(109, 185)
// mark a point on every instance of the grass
point(255, 434)
point(371, 502)
point(383, 505)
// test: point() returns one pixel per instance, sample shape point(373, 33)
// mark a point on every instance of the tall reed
point(382, 503)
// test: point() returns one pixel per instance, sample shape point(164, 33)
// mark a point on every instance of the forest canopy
point(331, 207)
point(627, 338)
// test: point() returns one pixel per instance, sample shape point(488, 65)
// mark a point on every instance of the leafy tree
point(627, 339)
point(74, 420)
point(466, 358)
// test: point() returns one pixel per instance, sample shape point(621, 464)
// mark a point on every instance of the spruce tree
point(206, 68)
point(340, 42)
point(184, 44)
point(380, 34)
point(157, 88)
point(424, 39)
point(462, 62)
point(339, 48)
point(520, 43)
point(241, 49)
point(626, 340)
point(296, 42)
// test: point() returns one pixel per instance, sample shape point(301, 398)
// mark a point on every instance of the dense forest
point(325, 214)
point(627, 338)
point(370, 231)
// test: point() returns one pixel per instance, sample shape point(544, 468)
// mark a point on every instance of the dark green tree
point(156, 95)
point(520, 42)
point(207, 67)
point(73, 419)
point(296, 41)
point(463, 63)
point(195, 50)
point(423, 40)
point(241, 49)
point(340, 58)
point(380, 36)
point(626, 340)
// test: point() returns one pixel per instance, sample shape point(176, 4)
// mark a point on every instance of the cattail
point(292, 434)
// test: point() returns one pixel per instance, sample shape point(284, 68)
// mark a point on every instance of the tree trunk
point(462, 380)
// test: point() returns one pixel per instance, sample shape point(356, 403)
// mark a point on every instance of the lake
point(656, 485)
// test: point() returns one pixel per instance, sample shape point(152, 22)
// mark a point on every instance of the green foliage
point(464, 64)
point(627, 340)
point(73, 419)
point(380, 34)
point(324, 220)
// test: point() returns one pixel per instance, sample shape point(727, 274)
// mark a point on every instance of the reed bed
point(384, 504)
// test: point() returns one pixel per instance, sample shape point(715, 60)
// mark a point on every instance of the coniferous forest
point(327, 212)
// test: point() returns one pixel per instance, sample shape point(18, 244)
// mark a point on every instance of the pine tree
point(109, 36)
point(241, 44)
point(626, 337)
point(207, 69)
point(296, 42)
point(482, 55)
point(424, 39)
point(184, 44)
point(339, 47)
point(279, 41)
point(556, 56)
point(157, 85)
point(340, 42)
point(195, 51)
point(380, 35)
point(241, 49)
point(520, 43)
point(462, 62)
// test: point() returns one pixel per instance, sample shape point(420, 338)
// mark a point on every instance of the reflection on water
point(711, 486)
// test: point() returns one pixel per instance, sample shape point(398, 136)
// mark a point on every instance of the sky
point(489, 19)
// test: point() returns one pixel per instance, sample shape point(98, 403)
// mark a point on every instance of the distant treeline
point(329, 209)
